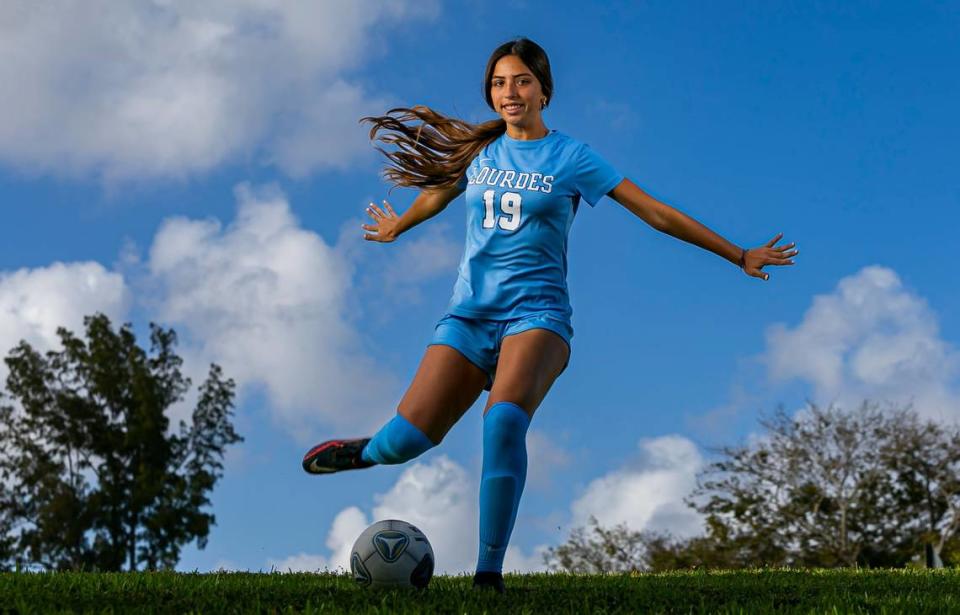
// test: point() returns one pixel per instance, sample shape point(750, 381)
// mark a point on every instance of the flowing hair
point(434, 150)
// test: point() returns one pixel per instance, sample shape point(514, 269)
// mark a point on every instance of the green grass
point(758, 591)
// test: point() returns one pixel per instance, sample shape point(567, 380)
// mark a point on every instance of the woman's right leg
point(445, 386)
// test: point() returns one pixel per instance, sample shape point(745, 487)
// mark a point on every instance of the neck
point(530, 132)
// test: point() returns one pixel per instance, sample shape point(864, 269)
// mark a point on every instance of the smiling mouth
point(512, 107)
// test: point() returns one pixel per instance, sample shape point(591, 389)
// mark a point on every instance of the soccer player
point(507, 328)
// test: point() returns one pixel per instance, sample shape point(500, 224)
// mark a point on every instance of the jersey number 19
point(509, 205)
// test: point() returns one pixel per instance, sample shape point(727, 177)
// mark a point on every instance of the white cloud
point(264, 298)
point(173, 88)
point(544, 457)
point(648, 492)
point(395, 273)
point(442, 500)
point(516, 560)
point(35, 302)
point(347, 525)
point(438, 497)
point(869, 338)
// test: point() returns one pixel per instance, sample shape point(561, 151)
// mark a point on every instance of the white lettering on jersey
point(535, 182)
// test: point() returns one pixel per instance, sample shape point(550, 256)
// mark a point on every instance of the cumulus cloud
point(441, 499)
point(544, 457)
point(34, 302)
point(347, 525)
point(426, 254)
point(172, 88)
point(647, 493)
point(869, 338)
point(265, 298)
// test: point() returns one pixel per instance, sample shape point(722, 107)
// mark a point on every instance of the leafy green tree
point(817, 487)
point(92, 475)
point(926, 457)
point(617, 549)
point(824, 488)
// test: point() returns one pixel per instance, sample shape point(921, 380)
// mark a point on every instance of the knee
point(505, 425)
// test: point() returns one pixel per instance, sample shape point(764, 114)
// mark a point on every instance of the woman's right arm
point(388, 226)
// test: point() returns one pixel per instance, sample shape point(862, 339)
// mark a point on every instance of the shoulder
point(572, 147)
point(564, 140)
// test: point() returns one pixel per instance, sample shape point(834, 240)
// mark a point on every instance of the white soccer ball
point(392, 553)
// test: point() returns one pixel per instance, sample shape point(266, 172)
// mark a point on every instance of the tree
point(824, 488)
point(92, 476)
point(926, 458)
point(621, 549)
point(819, 486)
point(602, 550)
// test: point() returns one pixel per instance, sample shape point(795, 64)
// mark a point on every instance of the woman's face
point(515, 92)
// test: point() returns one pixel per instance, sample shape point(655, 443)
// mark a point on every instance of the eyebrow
point(517, 75)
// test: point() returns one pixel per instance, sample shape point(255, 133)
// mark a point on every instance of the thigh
point(529, 364)
point(445, 386)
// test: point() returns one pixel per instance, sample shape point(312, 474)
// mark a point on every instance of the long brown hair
point(436, 152)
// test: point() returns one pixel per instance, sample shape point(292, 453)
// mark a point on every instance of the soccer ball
point(392, 553)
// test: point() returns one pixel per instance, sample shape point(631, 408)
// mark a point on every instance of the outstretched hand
point(768, 254)
point(385, 224)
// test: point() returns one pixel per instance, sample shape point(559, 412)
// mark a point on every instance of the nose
point(511, 89)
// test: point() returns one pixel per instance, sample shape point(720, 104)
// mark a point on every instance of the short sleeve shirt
point(521, 198)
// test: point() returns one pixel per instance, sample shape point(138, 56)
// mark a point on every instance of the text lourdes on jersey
point(489, 176)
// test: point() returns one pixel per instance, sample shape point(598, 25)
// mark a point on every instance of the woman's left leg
point(528, 365)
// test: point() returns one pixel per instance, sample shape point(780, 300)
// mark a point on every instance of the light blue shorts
point(479, 339)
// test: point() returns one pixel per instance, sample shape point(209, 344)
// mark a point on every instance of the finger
point(785, 247)
point(378, 210)
point(773, 241)
point(390, 209)
point(371, 209)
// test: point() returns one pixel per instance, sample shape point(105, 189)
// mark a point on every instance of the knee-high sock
point(397, 441)
point(501, 483)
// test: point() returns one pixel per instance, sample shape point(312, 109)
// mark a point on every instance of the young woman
point(507, 328)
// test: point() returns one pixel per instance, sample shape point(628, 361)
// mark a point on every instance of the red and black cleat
point(336, 455)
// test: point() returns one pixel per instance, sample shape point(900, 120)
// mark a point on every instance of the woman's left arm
point(676, 223)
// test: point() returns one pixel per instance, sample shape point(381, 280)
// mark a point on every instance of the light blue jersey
point(521, 200)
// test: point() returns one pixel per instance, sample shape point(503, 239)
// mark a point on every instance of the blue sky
point(203, 168)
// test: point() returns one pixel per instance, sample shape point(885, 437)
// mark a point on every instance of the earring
point(543, 104)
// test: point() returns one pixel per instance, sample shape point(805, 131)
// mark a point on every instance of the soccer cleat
point(491, 580)
point(336, 455)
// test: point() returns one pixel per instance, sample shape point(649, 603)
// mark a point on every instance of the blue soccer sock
point(504, 472)
point(397, 441)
